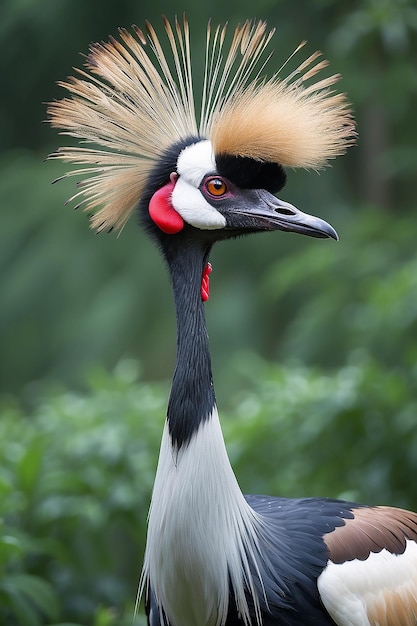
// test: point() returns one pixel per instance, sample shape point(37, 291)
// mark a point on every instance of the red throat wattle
point(205, 282)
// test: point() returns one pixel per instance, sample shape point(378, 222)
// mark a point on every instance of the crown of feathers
point(131, 102)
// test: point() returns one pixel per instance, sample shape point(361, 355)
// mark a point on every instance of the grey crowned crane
point(215, 557)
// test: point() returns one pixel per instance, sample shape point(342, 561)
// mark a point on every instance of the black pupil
point(218, 184)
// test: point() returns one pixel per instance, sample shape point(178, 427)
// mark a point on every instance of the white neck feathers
point(202, 534)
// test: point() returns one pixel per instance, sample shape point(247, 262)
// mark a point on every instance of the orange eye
point(216, 187)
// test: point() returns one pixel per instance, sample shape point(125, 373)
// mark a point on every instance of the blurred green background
point(314, 343)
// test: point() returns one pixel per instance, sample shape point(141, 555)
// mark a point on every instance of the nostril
point(284, 211)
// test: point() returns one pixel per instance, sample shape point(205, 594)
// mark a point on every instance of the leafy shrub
point(77, 471)
point(77, 478)
point(349, 434)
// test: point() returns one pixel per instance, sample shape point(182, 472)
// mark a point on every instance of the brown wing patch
point(371, 530)
point(394, 608)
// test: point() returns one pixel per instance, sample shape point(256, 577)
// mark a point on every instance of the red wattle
point(163, 213)
point(205, 282)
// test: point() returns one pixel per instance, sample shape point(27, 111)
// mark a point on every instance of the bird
point(197, 170)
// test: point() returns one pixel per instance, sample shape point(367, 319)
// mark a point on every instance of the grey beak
point(285, 216)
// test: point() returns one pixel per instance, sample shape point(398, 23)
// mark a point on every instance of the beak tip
point(325, 230)
point(321, 230)
point(334, 235)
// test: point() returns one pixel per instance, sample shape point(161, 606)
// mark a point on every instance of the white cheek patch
point(194, 209)
point(194, 163)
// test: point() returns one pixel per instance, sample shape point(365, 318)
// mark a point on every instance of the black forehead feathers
point(249, 173)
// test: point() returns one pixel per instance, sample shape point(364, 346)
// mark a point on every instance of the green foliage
point(351, 434)
point(69, 298)
point(358, 296)
point(77, 471)
point(76, 479)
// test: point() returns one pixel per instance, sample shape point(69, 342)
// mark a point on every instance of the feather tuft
point(285, 121)
point(132, 101)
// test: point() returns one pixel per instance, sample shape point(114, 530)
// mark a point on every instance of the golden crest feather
point(131, 102)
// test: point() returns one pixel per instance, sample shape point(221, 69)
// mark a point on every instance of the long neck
point(192, 396)
point(202, 544)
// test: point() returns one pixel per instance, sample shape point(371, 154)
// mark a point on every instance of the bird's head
point(219, 198)
point(134, 107)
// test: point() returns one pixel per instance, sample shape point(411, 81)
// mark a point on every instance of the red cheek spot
point(163, 213)
point(205, 282)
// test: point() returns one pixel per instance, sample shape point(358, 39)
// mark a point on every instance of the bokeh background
point(314, 343)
